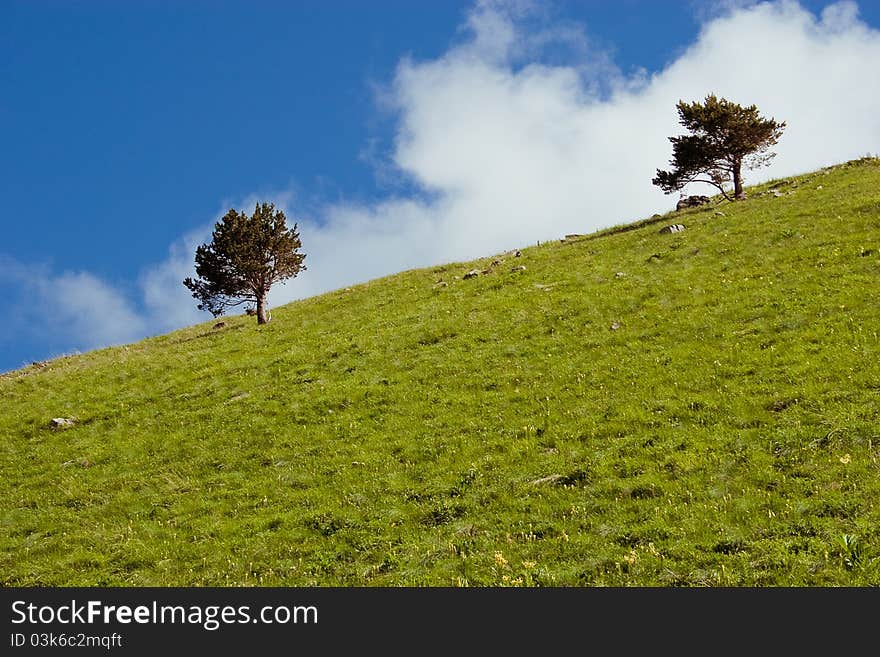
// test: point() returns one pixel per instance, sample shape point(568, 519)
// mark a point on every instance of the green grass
point(493, 431)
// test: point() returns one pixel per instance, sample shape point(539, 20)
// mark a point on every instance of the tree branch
point(714, 184)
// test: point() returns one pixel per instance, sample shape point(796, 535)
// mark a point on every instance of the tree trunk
point(737, 181)
point(262, 310)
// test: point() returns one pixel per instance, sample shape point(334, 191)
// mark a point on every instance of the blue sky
point(397, 134)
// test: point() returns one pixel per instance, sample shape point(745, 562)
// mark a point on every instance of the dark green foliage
point(245, 257)
point(723, 136)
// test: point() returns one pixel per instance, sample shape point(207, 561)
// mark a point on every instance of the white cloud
point(75, 308)
point(90, 308)
point(506, 150)
point(514, 152)
point(167, 303)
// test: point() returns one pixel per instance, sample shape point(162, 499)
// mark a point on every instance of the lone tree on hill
point(245, 257)
point(723, 136)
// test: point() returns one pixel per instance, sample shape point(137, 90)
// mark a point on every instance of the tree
point(724, 136)
point(245, 257)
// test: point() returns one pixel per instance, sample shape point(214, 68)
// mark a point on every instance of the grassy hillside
point(633, 408)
